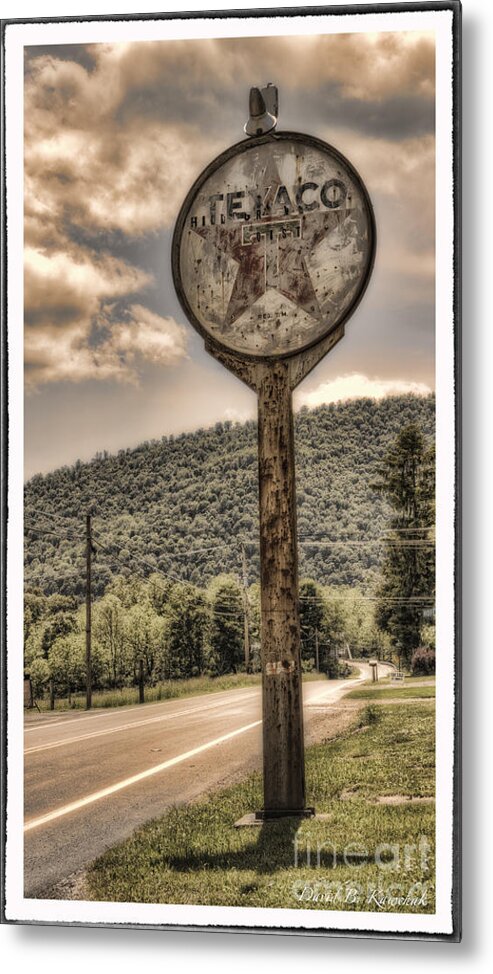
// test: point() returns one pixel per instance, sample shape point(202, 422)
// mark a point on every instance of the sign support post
point(272, 251)
point(283, 750)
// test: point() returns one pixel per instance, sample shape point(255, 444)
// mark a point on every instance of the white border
point(18, 35)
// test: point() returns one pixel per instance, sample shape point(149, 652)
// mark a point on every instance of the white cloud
point(239, 415)
point(66, 354)
point(366, 66)
point(60, 284)
point(110, 152)
point(148, 336)
point(83, 162)
point(358, 386)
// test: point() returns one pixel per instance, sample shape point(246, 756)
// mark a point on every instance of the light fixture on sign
point(261, 119)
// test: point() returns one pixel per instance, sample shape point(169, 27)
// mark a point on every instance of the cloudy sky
point(114, 137)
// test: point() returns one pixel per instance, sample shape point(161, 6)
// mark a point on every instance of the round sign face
point(274, 245)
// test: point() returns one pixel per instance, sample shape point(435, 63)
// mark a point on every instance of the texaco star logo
point(270, 262)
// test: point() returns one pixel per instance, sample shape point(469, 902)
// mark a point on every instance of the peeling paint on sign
point(276, 246)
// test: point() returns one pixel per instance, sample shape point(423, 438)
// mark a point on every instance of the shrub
point(307, 665)
point(343, 670)
point(371, 715)
point(39, 672)
point(423, 662)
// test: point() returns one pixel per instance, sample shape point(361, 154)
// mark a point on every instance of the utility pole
point(246, 620)
point(317, 655)
point(88, 613)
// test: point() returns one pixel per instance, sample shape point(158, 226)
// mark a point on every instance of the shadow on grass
point(272, 850)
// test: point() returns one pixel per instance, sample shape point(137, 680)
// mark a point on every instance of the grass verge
point(392, 691)
point(358, 857)
point(163, 691)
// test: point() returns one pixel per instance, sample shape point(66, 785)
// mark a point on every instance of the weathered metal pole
point(284, 768)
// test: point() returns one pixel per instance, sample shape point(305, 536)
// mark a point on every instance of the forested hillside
point(181, 506)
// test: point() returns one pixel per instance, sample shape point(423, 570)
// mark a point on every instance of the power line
point(229, 605)
point(48, 533)
point(375, 541)
point(175, 578)
point(54, 517)
point(143, 561)
point(350, 542)
point(195, 551)
point(427, 601)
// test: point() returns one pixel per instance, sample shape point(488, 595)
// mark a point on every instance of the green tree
point(187, 624)
point(334, 632)
point(39, 671)
point(312, 617)
point(227, 625)
point(42, 630)
point(59, 624)
point(67, 664)
point(144, 633)
point(158, 590)
point(109, 631)
point(130, 590)
point(361, 633)
point(407, 481)
point(35, 607)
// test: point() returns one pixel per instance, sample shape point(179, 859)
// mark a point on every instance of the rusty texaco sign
point(274, 245)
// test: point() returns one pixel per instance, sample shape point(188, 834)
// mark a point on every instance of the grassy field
point(376, 785)
point(164, 691)
point(411, 680)
point(394, 690)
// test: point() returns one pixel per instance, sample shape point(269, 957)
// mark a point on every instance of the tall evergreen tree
point(186, 632)
point(312, 615)
point(407, 480)
point(227, 626)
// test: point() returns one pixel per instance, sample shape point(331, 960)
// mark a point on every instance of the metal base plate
point(262, 818)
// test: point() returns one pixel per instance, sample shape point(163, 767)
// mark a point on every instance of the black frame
point(424, 5)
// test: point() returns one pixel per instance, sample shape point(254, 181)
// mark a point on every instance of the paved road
point(91, 779)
